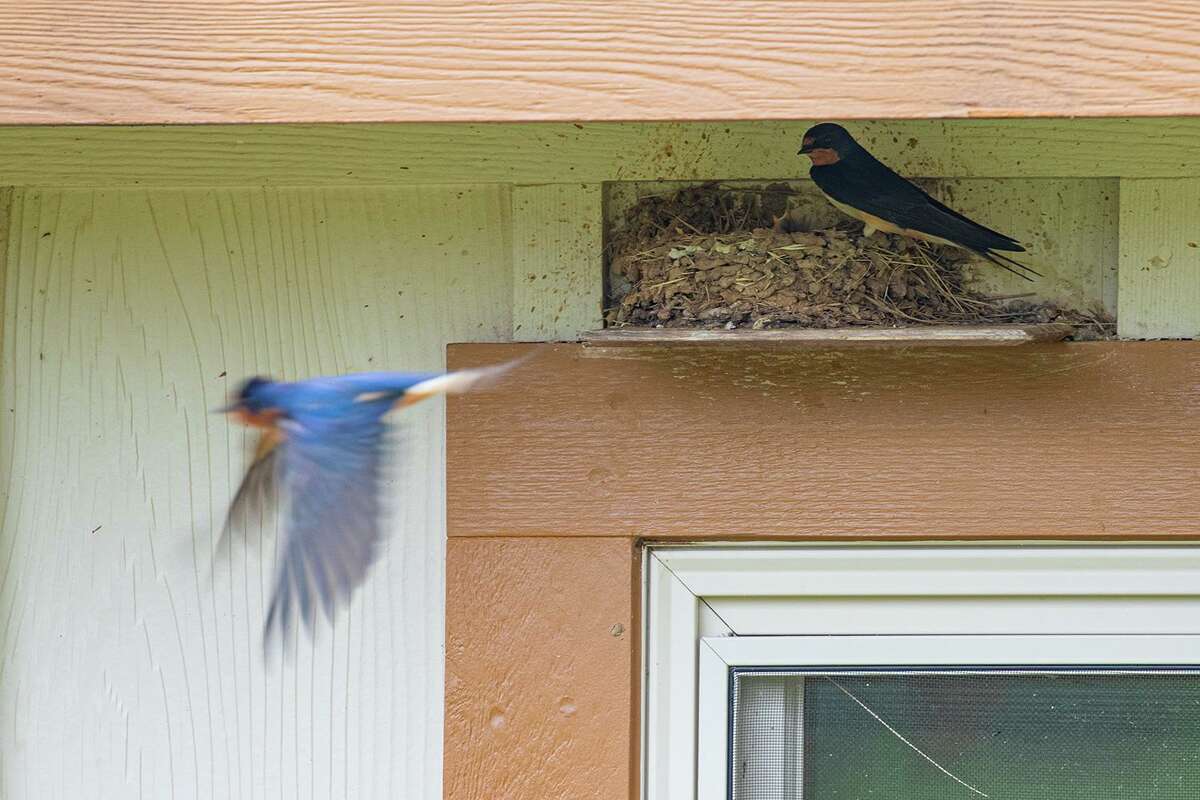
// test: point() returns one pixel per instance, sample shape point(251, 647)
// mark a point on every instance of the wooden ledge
point(931, 334)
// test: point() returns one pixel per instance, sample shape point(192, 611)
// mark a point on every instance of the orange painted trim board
point(1063, 440)
point(541, 669)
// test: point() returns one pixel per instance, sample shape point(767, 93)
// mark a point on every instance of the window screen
point(956, 735)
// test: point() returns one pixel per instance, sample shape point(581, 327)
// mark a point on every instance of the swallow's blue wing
point(395, 383)
point(330, 469)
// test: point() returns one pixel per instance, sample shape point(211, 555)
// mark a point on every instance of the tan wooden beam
point(85, 62)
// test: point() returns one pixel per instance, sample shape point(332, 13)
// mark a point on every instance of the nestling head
point(253, 404)
point(826, 143)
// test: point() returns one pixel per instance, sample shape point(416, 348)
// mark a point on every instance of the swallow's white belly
point(873, 223)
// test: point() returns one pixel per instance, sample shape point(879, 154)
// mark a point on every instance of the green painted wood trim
point(558, 285)
point(315, 155)
point(6, 197)
point(1159, 292)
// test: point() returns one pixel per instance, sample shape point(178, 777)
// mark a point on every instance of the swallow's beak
point(806, 147)
point(226, 409)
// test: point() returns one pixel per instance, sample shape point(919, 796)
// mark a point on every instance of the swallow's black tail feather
point(1002, 242)
point(1023, 271)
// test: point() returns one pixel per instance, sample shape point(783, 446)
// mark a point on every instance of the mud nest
point(711, 258)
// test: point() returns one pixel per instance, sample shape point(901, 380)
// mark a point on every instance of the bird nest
point(707, 258)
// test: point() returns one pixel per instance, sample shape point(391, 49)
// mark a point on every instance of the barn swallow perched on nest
point(321, 452)
point(860, 185)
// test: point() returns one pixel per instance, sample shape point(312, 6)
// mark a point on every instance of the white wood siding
point(127, 670)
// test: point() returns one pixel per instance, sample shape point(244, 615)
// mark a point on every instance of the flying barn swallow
point(860, 185)
point(320, 451)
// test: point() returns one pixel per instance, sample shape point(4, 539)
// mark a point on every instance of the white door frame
point(758, 597)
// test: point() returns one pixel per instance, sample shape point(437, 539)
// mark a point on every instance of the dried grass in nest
point(677, 276)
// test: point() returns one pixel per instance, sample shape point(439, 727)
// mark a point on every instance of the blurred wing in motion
point(330, 473)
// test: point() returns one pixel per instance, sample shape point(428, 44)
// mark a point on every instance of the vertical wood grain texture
point(6, 404)
point(127, 669)
point(1083, 440)
point(541, 669)
point(534, 153)
point(557, 261)
point(6, 195)
point(83, 61)
point(1160, 259)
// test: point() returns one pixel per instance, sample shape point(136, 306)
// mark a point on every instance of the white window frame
point(713, 607)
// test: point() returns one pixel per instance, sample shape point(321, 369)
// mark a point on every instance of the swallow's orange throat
point(260, 419)
point(823, 156)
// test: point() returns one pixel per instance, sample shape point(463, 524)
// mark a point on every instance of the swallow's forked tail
point(461, 381)
point(1013, 266)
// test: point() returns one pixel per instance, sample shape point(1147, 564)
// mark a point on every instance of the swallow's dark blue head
point(253, 393)
point(254, 404)
point(826, 143)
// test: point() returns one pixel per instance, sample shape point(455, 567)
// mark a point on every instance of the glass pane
point(1003, 735)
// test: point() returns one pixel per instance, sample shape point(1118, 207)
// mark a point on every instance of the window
point(942, 672)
